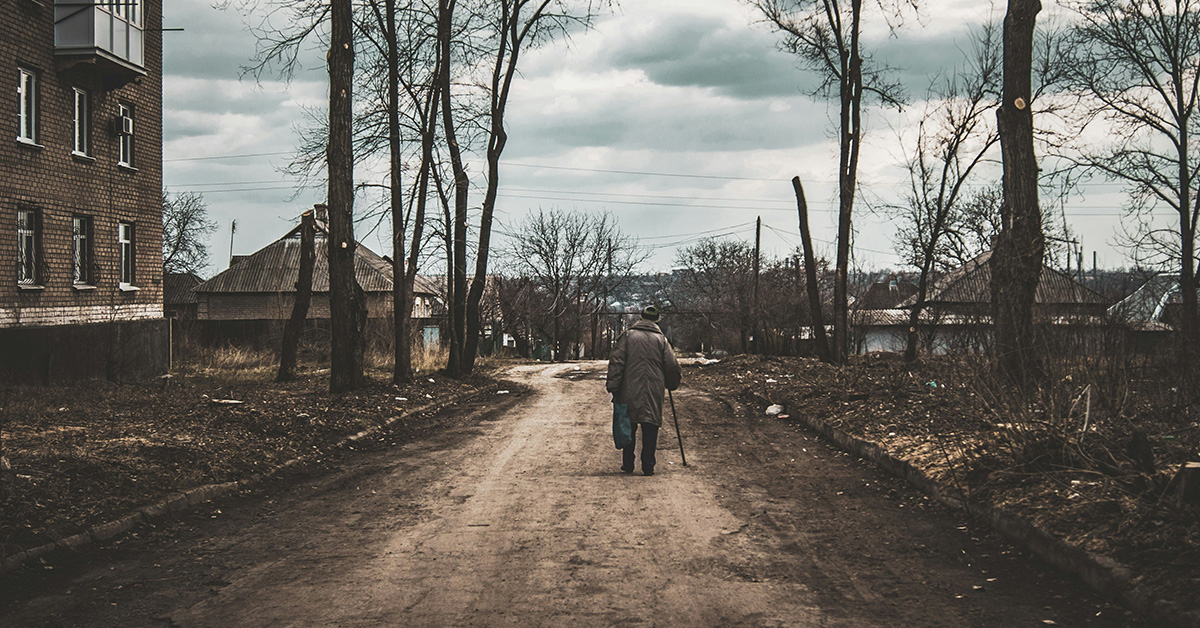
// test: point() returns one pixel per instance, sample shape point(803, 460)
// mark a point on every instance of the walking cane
point(675, 415)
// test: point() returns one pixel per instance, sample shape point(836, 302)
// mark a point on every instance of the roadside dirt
point(1068, 469)
point(516, 514)
point(90, 453)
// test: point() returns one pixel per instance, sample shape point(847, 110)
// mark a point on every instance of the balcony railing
point(106, 32)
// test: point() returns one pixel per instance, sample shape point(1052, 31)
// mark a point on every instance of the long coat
point(640, 367)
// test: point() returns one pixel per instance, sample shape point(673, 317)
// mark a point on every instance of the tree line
point(419, 85)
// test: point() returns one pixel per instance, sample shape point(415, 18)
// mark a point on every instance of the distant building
point(81, 197)
point(252, 298)
point(958, 310)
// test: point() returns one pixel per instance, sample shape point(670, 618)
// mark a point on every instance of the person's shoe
point(626, 469)
point(647, 471)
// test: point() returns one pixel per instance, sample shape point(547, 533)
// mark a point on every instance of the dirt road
point(518, 515)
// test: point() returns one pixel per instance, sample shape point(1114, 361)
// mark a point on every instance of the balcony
point(106, 35)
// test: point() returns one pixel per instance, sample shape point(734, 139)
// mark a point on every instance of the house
point(81, 197)
point(888, 294)
point(179, 302)
point(253, 298)
point(1151, 314)
point(958, 310)
point(1154, 305)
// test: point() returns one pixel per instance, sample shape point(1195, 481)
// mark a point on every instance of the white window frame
point(128, 10)
point(82, 122)
point(27, 247)
point(125, 142)
point(27, 97)
point(125, 252)
point(81, 250)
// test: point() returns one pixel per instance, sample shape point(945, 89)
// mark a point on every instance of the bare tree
point(716, 285)
point(952, 138)
point(347, 303)
point(1016, 261)
point(571, 258)
point(511, 28)
point(185, 227)
point(826, 36)
point(1138, 65)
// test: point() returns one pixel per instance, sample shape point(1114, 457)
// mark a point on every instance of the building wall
point(277, 306)
point(59, 185)
point(118, 351)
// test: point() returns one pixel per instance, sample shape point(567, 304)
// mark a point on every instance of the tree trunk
point(1189, 323)
point(851, 135)
point(810, 272)
point(914, 317)
point(295, 324)
point(458, 297)
point(347, 303)
point(401, 289)
point(1016, 261)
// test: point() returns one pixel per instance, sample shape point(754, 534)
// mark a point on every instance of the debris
point(428, 396)
point(401, 398)
point(228, 402)
point(501, 392)
point(771, 381)
point(774, 410)
point(431, 381)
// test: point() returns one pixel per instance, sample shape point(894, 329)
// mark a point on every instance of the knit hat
point(650, 314)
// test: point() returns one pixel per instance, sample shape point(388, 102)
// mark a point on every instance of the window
point(81, 250)
point(128, 10)
point(27, 95)
point(28, 245)
point(125, 246)
point(125, 135)
point(83, 126)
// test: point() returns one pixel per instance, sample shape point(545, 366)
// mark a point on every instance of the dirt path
point(518, 515)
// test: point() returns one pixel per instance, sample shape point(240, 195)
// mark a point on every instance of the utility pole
point(232, 230)
point(757, 342)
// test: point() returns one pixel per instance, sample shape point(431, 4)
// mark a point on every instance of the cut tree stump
point(1187, 484)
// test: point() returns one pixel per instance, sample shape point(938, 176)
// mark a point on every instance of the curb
point(1101, 573)
point(184, 500)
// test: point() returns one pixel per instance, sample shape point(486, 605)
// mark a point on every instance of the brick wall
point(59, 185)
point(268, 306)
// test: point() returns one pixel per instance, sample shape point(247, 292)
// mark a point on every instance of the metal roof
point(177, 287)
point(971, 284)
point(275, 268)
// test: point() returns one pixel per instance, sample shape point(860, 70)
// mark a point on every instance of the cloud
point(706, 51)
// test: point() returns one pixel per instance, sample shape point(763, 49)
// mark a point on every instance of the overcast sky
point(680, 117)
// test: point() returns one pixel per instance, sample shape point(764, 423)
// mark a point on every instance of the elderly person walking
point(641, 366)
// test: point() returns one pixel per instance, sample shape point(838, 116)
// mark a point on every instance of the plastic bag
point(622, 430)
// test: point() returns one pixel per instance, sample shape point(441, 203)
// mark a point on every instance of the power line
point(643, 173)
point(196, 185)
point(666, 196)
point(641, 203)
point(228, 156)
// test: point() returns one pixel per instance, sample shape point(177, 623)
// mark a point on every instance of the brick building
point(80, 200)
